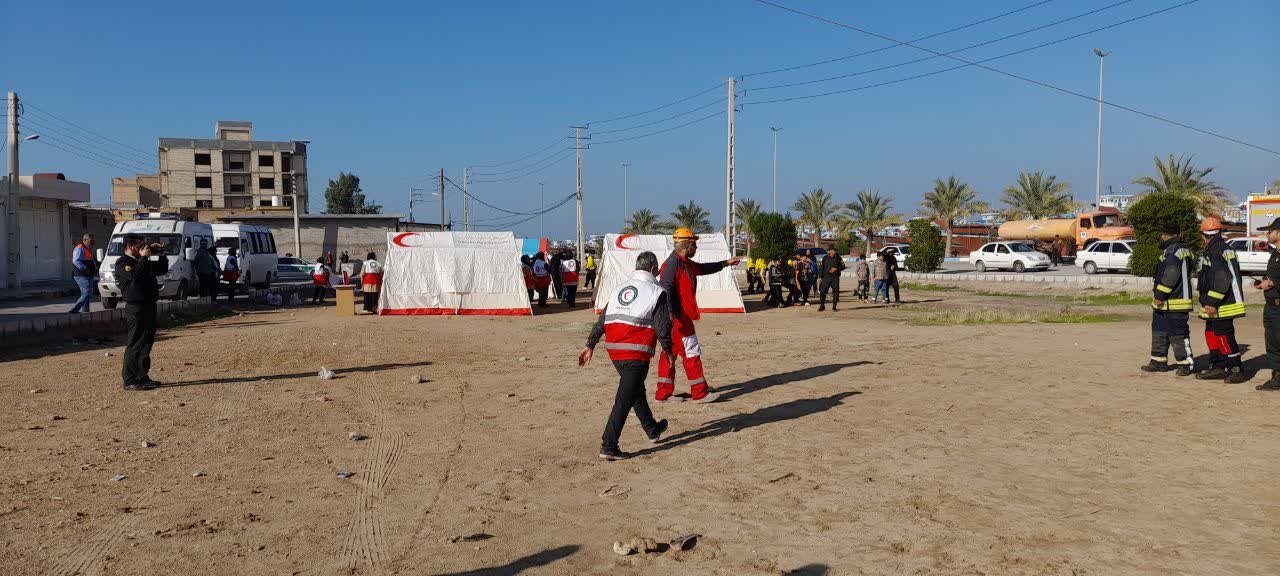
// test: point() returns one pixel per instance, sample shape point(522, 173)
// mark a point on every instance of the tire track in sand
point(366, 542)
point(86, 557)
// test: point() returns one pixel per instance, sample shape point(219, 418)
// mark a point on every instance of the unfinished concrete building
point(232, 170)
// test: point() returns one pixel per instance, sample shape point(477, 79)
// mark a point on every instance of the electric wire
point(519, 176)
point(663, 107)
point(958, 50)
point(661, 120)
point(498, 164)
point(518, 169)
point(146, 166)
point(44, 112)
point(980, 64)
point(663, 131)
point(882, 49)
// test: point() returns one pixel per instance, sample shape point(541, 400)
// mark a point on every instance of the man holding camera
point(136, 275)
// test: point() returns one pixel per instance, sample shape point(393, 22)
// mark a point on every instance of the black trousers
point(806, 286)
point(591, 278)
point(631, 396)
point(1220, 335)
point(371, 302)
point(893, 283)
point(318, 294)
point(1171, 330)
point(230, 289)
point(793, 294)
point(141, 320)
point(832, 285)
point(774, 297)
point(571, 294)
point(208, 285)
point(1271, 328)
point(864, 286)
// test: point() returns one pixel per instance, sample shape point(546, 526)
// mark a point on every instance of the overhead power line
point(882, 49)
point(519, 168)
point(473, 197)
point(663, 131)
point(498, 164)
point(956, 51)
point(980, 64)
point(49, 131)
point(662, 107)
point(661, 120)
point(38, 110)
point(568, 153)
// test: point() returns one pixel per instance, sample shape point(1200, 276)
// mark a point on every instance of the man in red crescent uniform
point(636, 318)
point(679, 277)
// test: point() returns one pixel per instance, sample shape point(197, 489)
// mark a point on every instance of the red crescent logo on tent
point(621, 239)
point(398, 240)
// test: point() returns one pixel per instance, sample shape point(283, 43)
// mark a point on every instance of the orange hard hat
point(683, 235)
point(1211, 224)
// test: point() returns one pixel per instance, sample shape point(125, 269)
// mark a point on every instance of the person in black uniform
point(1171, 306)
point(775, 275)
point(890, 256)
point(830, 270)
point(1221, 302)
point(1271, 312)
point(136, 275)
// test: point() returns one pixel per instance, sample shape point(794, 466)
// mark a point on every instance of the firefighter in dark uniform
point(1171, 306)
point(1271, 312)
point(1221, 302)
point(136, 275)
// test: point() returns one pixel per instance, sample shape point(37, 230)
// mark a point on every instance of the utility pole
point(729, 182)
point(775, 166)
point(542, 215)
point(12, 274)
point(442, 200)
point(581, 245)
point(1097, 183)
point(413, 199)
point(297, 226)
point(625, 165)
point(466, 201)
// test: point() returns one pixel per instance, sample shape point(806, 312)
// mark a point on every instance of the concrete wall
point(358, 236)
point(96, 221)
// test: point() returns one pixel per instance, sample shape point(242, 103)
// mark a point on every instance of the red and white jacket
point(634, 320)
point(569, 272)
point(371, 273)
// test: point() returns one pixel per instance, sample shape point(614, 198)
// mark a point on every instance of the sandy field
point(848, 443)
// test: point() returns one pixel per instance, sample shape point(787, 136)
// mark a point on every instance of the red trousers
point(685, 341)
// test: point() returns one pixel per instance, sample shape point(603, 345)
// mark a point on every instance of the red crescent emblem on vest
point(622, 239)
point(398, 240)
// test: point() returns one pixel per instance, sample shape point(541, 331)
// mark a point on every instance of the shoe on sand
point(709, 398)
point(657, 434)
point(671, 398)
point(613, 454)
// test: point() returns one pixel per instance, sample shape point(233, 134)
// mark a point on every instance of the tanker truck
point(1105, 224)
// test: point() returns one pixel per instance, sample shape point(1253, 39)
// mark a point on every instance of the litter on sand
point(326, 374)
point(345, 475)
point(356, 436)
point(118, 477)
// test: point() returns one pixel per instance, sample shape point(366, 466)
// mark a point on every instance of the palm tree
point(817, 208)
point(745, 212)
point(950, 199)
point(1038, 196)
point(869, 212)
point(1180, 176)
point(693, 217)
point(643, 221)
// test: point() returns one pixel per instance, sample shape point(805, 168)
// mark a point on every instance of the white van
point(180, 240)
point(255, 251)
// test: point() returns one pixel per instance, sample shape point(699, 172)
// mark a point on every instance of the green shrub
point(846, 243)
point(928, 249)
point(773, 235)
point(1149, 215)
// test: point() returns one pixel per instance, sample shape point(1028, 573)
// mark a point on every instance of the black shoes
point(133, 387)
point(1184, 371)
point(614, 454)
point(1154, 366)
point(1236, 376)
point(1213, 373)
point(822, 308)
point(1270, 385)
point(657, 434)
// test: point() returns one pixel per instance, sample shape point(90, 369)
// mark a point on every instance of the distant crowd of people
point(561, 272)
point(805, 276)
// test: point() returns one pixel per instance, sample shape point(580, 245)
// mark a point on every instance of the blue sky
point(395, 91)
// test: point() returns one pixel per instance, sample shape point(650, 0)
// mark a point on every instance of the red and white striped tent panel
point(716, 292)
point(453, 273)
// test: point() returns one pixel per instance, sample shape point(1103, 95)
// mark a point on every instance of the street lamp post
point(775, 166)
point(625, 184)
point(1097, 182)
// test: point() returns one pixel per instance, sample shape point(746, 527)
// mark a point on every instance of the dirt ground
point(847, 443)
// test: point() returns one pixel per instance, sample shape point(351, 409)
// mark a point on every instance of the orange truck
point(1105, 224)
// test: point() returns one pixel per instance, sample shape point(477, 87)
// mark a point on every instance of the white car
point(901, 254)
point(1252, 252)
point(1109, 255)
point(1016, 256)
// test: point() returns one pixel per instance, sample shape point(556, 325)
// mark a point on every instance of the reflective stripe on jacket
point(1219, 281)
point(1172, 278)
point(629, 332)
